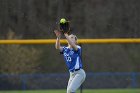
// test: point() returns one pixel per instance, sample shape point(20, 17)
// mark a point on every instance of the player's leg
point(77, 81)
point(69, 82)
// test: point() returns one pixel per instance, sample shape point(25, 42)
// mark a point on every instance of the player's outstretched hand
point(57, 33)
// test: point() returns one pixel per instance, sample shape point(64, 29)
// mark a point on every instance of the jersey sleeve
point(62, 51)
point(79, 51)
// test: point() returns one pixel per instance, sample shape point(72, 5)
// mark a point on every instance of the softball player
point(72, 57)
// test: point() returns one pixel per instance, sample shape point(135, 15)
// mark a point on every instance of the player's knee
point(71, 90)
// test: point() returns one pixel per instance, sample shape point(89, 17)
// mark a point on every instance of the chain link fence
point(59, 81)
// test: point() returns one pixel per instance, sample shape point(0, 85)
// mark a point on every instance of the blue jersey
point(72, 58)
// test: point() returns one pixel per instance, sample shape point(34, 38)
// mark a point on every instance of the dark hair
point(75, 36)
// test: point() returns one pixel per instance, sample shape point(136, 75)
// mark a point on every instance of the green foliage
point(17, 59)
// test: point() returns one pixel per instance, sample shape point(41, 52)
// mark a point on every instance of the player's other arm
point(70, 42)
point(57, 44)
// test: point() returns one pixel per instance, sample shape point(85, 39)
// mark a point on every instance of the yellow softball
point(63, 20)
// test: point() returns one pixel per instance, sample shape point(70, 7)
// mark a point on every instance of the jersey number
point(68, 58)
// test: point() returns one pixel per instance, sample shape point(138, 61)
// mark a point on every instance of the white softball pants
point(75, 80)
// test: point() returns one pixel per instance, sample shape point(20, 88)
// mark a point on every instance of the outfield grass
point(84, 91)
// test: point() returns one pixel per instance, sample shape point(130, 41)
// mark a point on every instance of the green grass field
point(84, 91)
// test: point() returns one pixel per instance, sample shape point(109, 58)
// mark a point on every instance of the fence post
point(23, 82)
point(133, 83)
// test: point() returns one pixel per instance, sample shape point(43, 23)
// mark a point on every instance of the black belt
point(77, 69)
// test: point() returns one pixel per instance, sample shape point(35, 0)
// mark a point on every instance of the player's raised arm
point(71, 40)
point(64, 27)
point(57, 44)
